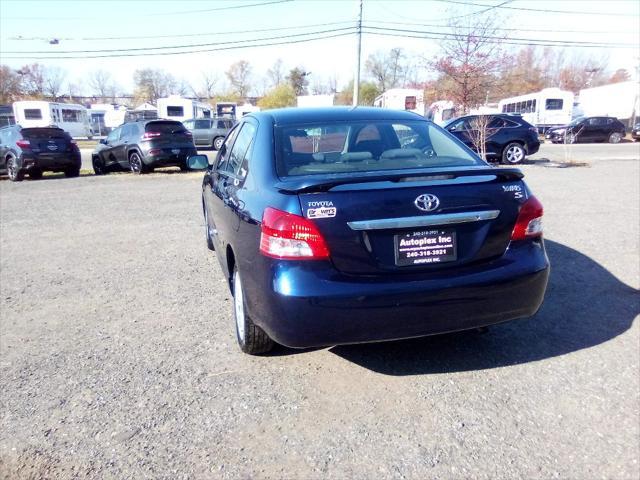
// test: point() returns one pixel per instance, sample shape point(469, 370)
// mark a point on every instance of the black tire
point(136, 165)
point(98, 166)
point(615, 137)
point(13, 170)
point(207, 231)
point(513, 154)
point(184, 167)
point(35, 174)
point(251, 338)
point(72, 172)
point(571, 138)
point(217, 143)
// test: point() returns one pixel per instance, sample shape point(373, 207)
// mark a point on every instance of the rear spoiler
point(323, 183)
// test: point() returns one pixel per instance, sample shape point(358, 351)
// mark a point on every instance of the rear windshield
point(165, 127)
point(44, 133)
point(366, 146)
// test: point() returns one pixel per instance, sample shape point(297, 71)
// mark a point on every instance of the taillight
point(74, 144)
point(23, 143)
point(188, 133)
point(149, 135)
point(529, 222)
point(291, 237)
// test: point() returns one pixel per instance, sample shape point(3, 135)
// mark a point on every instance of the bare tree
point(101, 82)
point(387, 70)
point(53, 79)
point(209, 81)
point(471, 58)
point(479, 130)
point(33, 80)
point(276, 73)
point(151, 84)
point(239, 75)
point(10, 85)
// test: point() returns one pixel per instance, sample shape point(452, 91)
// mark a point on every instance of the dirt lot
point(118, 358)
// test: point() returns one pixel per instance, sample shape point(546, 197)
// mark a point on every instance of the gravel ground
point(118, 357)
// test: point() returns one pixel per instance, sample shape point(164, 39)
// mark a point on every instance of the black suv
point(588, 129)
point(508, 138)
point(143, 145)
point(36, 150)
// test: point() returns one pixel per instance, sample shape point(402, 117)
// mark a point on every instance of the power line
point(232, 7)
point(181, 35)
point(171, 47)
point(216, 49)
point(546, 10)
point(534, 42)
point(570, 43)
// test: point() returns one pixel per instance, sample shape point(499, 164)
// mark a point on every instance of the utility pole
point(356, 83)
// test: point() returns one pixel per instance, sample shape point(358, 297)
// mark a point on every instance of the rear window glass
point(44, 133)
point(32, 114)
point(165, 127)
point(175, 111)
point(554, 104)
point(366, 146)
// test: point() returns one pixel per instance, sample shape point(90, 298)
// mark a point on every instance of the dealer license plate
point(425, 247)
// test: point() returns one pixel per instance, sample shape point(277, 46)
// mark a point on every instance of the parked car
point(144, 145)
point(635, 132)
point(588, 129)
point(36, 150)
point(209, 132)
point(509, 138)
point(330, 231)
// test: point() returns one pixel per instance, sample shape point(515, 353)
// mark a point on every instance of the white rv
point(441, 112)
point(550, 107)
point(71, 117)
point(410, 99)
point(620, 100)
point(180, 109)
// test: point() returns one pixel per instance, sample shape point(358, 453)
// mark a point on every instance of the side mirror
point(103, 141)
point(198, 162)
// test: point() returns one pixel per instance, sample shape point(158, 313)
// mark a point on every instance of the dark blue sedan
point(345, 225)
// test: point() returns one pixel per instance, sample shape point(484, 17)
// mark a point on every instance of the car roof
point(293, 115)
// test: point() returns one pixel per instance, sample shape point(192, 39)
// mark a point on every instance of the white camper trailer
point(620, 100)
point(410, 99)
point(180, 109)
point(71, 117)
point(441, 112)
point(550, 107)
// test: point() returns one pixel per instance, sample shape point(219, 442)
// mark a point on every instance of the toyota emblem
point(427, 202)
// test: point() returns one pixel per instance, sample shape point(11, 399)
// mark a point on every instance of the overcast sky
point(82, 25)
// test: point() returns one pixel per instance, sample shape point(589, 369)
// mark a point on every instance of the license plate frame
point(425, 247)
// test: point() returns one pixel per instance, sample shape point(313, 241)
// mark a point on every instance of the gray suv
point(209, 132)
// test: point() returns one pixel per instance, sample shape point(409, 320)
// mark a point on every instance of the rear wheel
point(572, 138)
point(207, 229)
point(35, 174)
point(13, 170)
point(136, 164)
point(217, 143)
point(72, 172)
point(513, 154)
point(251, 338)
point(615, 137)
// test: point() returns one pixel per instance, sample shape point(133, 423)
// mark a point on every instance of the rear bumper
point(168, 159)
point(311, 304)
point(50, 163)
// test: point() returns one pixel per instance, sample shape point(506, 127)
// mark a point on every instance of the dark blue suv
point(345, 225)
point(506, 138)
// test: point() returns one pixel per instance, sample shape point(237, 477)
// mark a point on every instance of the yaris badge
point(427, 202)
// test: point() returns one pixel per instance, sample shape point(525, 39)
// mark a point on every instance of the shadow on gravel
point(585, 305)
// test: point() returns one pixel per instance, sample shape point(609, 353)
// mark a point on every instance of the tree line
point(473, 67)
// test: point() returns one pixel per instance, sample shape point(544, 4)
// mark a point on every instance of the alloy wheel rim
point(217, 143)
point(238, 300)
point(135, 163)
point(615, 137)
point(514, 154)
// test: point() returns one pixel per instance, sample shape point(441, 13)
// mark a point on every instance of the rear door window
point(32, 114)
point(202, 124)
point(174, 111)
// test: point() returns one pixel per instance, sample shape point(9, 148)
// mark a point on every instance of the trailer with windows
point(550, 107)
point(409, 99)
point(70, 117)
point(180, 109)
